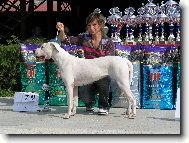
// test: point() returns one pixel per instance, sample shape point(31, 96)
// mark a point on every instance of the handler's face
point(93, 27)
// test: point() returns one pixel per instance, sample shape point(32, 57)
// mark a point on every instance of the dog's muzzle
point(38, 52)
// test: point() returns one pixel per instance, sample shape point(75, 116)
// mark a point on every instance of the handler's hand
point(60, 26)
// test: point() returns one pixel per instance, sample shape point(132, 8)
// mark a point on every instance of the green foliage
point(13, 40)
point(10, 74)
point(6, 93)
point(9, 67)
point(35, 40)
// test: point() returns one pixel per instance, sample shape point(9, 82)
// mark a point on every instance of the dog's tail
point(130, 72)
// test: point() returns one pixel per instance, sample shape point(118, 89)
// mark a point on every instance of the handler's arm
point(62, 35)
point(70, 40)
point(110, 48)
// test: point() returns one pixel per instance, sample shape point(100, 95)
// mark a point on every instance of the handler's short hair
point(100, 19)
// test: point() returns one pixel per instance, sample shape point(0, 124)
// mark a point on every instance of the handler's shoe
point(102, 111)
point(90, 109)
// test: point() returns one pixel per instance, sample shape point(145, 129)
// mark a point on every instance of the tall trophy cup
point(140, 22)
point(146, 18)
point(156, 41)
point(171, 38)
point(129, 19)
point(115, 20)
point(126, 23)
point(149, 12)
point(132, 23)
point(170, 11)
point(162, 17)
point(156, 23)
point(151, 9)
point(177, 21)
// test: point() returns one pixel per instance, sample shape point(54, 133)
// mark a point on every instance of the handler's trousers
point(88, 92)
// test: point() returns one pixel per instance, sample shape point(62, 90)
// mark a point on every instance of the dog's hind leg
point(69, 88)
point(75, 102)
point(128, 110)
point(125, 88)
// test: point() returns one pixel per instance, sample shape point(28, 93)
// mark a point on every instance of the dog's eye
point(42, 47)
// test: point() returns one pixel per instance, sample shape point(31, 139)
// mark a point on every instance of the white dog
point(79, 71)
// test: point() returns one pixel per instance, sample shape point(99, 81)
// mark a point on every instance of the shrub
point(10, 74)
point(34, 40)
point(9, 67)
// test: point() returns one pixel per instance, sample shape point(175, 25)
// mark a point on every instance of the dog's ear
point(54, 46)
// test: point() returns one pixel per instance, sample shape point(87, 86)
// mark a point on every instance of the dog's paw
point(66, 116)
point(128, 112)
point(132, 116)
point(73, 113)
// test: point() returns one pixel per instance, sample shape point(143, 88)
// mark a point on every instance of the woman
point(95, 44)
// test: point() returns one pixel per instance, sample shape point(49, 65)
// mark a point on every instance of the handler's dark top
point(105, 48)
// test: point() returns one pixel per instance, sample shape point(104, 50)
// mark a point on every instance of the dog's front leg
point(128, 110)
point(69, 89)
point(75, 104)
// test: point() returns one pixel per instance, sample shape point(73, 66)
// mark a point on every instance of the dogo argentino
point(79, 71)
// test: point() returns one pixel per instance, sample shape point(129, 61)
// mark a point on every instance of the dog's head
point(46, 50)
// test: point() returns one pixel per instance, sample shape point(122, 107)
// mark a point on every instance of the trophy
point(126, 23)
point(162, 17)
point(97, 10)
point(171, 9)
point(115, 20)
point(46, 87)
point(151, 9)
point(156, 30)
point(139, 22)
point(170, 13)
point(146, 19)
point(177, 21)
point(156, 23)
point(171, 3)
point(132, 19)
point(129, 19)
point(149, 12)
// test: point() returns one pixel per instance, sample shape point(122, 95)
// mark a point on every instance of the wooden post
point(50, 19)
point(31, 6)
point(23, 23)
point(59, 5)
point(50, 6)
